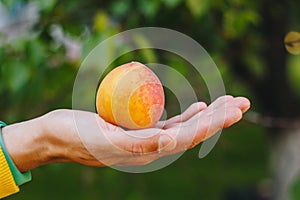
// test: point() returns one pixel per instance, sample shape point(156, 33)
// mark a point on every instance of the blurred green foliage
point(38, 71)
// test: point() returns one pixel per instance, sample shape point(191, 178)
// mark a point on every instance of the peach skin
point(131, 96)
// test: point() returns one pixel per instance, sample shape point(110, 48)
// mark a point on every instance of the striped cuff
point(7, 182)
point(20, 178)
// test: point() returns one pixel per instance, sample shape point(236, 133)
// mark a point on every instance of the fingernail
point(166, 143)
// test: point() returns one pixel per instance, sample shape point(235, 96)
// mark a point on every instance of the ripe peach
point(131, 96)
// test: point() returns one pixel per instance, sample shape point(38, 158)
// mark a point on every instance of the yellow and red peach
point(131, 96)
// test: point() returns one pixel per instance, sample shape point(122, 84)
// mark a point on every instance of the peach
point(131, 96)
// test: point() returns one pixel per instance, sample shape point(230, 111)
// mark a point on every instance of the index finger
point(205, 124)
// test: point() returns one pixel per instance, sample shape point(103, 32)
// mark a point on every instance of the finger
point(197, 124)
point(242, 103)
point(233, 115)
point(196, 130)
point(187, 114)
point(218, 122)
point(228, 101)
point(221, 102)
point(223, 113)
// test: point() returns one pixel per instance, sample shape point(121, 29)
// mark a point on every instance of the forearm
point(28, 144)
point(47, 139)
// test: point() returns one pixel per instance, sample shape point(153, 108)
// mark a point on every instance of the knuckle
point(137, 149)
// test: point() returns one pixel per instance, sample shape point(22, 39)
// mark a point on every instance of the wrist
point(61, 133)
point(27, 144)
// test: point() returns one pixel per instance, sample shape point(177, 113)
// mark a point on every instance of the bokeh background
point(42, 44)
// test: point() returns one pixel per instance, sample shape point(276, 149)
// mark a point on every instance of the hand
point(84, 137)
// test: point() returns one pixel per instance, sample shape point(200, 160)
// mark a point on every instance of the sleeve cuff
point(20, 178)
point(7, 183)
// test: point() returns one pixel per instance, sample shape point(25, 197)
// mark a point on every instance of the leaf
point(198, 7)
point(293, 72)
point(47, 5)
point(145, 46)
point(36, 52)
point(172, 3)
point(15, 75)
point(236, 21)
point(149, 8)
point(101, 21)
point(120, 8)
